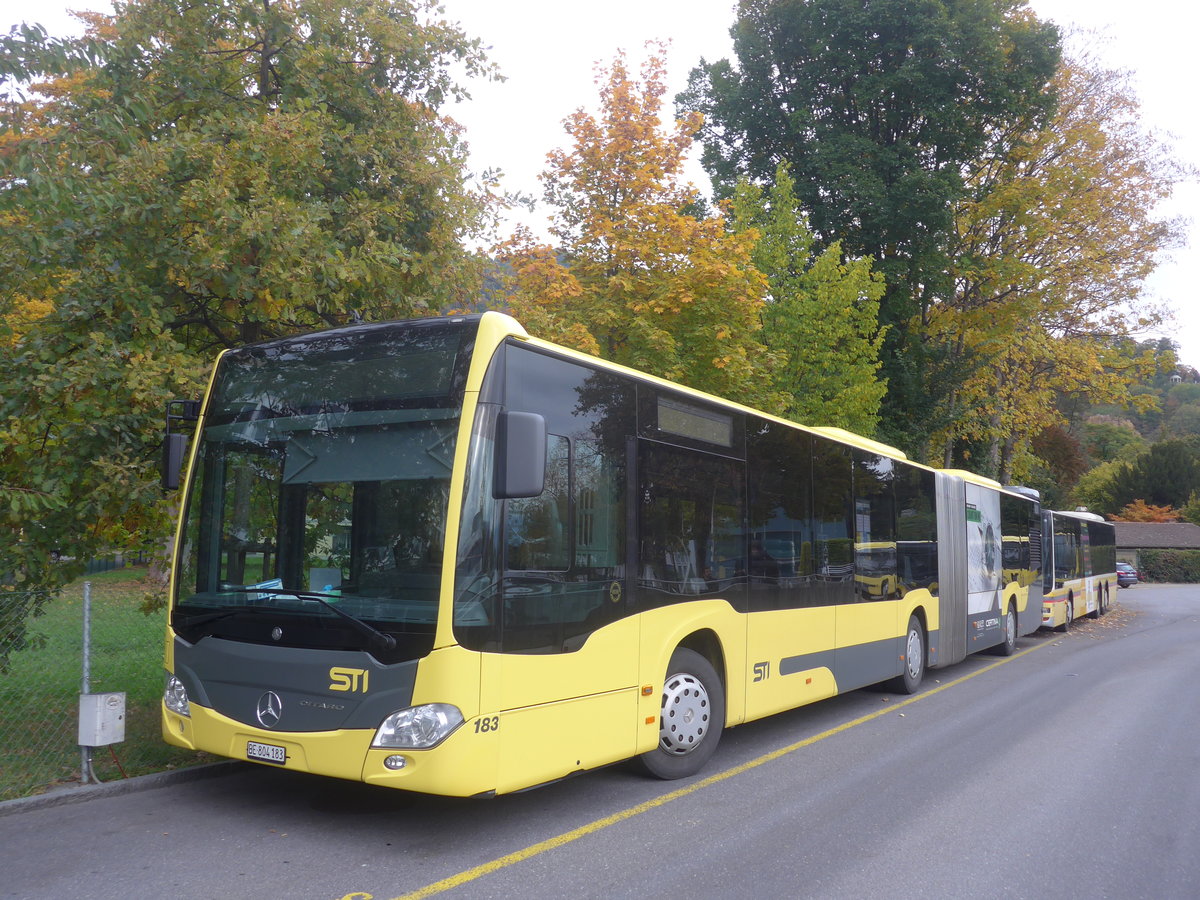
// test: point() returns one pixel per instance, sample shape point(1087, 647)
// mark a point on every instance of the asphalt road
point(1070, 770)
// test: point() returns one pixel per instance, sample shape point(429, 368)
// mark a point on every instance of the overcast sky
point(548, 51)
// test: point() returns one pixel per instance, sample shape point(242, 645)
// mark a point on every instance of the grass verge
point(40, 694)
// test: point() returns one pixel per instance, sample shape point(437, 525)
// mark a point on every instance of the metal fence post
point(85, 764)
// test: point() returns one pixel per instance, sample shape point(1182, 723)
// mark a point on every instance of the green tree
point(1185, 420)
point(1191, 510)
point(880, 108)
point(1106, 440)
point(636, 276)
point(1179, 394)
point(1165, 475)
point(822, 311)
point(190, 176)
point(1094, 488)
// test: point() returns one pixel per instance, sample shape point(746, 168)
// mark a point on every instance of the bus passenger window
point(780, 507)
point(692, 544)
point(916, 530)
point(875, 572)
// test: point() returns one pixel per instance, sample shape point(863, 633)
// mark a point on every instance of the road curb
point(63, 796)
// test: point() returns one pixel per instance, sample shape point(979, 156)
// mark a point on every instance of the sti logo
point(348, 679)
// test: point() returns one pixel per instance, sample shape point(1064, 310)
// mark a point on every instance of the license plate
point(266, 753)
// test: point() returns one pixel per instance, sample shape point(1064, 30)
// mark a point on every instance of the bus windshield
point(320, 490)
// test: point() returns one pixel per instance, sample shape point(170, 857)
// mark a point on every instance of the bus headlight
point(418, 727)
point(175, 697)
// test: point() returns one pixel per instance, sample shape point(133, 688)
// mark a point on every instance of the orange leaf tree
point(1141, 511)
point(639, 275)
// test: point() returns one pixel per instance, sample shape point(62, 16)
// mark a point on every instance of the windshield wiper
point(203, 618)
point(385, 641)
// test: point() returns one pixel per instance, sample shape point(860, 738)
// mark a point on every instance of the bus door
point(1090, 585)
point(799, 559)
point(562, 689)
point(871, 621)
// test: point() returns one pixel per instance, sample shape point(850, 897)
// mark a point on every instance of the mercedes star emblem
point(270, 707)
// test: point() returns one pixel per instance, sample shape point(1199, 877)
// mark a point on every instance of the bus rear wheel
point(691, 718)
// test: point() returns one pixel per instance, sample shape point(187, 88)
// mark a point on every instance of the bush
point(1170, 566)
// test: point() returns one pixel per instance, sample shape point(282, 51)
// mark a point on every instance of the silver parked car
point(1127, 575)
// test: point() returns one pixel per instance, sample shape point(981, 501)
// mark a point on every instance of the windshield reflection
point(315, 498)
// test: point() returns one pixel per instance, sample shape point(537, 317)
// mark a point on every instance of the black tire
point(913, 672)
point(691, 719)
point(1066, 626)
point(1009, 646)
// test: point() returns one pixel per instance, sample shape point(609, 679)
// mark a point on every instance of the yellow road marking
point(561, 840)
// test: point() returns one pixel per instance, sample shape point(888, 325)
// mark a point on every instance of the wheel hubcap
point(685, 714)
point(1010, 628)
point(914, 654)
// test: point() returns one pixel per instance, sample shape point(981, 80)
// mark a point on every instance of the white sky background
point(548, 50)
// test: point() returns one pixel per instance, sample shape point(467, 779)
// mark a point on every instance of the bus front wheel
point(1066, 626)
point(691, 718)
point(914, 659)
point(1009, 646)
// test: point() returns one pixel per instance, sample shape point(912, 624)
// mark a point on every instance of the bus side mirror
point(520, 455)
point(175, 444)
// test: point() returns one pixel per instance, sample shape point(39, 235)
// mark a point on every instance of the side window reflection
point(536, 534)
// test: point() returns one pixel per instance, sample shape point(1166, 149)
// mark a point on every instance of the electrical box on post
point(101, 719)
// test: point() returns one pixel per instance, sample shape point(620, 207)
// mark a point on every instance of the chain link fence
point(41, 684)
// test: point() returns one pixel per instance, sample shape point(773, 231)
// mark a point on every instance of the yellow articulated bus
point(443, 556)
point(1080, 569)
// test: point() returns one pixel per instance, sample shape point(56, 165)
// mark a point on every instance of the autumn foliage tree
point(190, 176)
point(1141, 511)
point(637, 275)
point(1053, 246)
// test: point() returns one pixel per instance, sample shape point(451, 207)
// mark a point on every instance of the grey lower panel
point(933, 652)
point(234, 679)
point(852, 667)
point(871, 663)
point(1030, 620)
point(790, 665)
point(985, 630)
